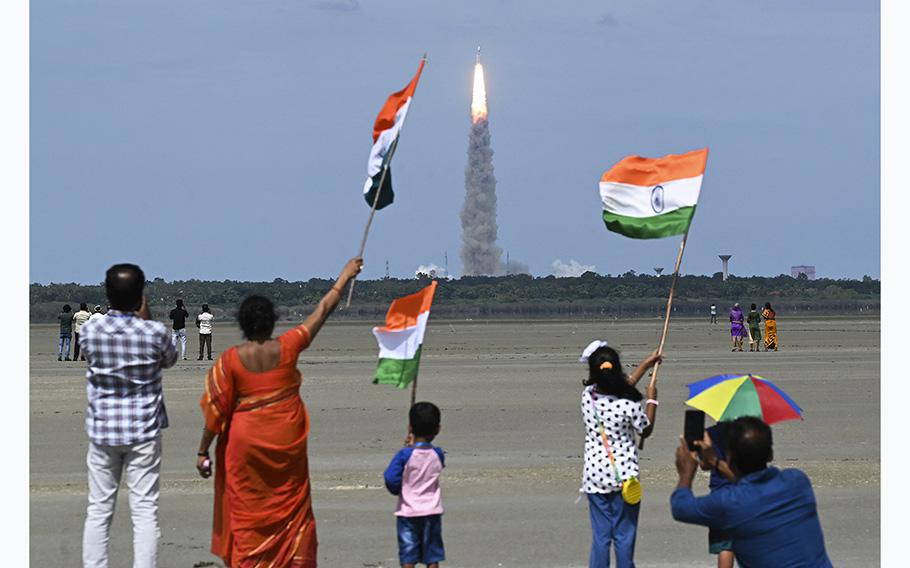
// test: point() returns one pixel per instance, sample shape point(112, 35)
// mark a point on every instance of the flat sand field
point(509, 394)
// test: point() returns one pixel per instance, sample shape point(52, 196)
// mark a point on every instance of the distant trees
point(519, 295)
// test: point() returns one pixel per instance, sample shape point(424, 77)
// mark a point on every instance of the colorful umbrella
point(727, 397)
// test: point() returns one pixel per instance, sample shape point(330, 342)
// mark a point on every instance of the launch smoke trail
point(479, 254)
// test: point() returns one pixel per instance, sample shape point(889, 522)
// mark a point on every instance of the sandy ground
point(509, 395)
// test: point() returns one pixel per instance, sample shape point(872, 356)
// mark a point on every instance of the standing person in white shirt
point(204, 323)
point(96, 313)
point(79, 318)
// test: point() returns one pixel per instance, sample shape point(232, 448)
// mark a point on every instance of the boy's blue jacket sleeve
point(395, 471)
point(441, 454)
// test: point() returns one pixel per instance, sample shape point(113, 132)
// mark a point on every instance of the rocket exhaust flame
point(479, 100)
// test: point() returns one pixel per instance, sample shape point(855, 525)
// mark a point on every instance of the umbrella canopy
point(727, 397)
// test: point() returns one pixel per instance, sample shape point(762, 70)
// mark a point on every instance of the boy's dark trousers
point(205, 339)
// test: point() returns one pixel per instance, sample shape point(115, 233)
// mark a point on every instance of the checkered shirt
point(125, 355)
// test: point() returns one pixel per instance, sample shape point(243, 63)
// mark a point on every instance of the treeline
point(589, 295)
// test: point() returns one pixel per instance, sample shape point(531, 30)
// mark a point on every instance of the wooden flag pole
point(366, 230)
point(413, 391)
point(663, 335)
point(385, 169)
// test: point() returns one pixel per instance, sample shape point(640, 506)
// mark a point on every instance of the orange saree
point(263, 515)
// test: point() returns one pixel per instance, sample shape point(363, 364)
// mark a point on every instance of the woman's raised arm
point(330, 301)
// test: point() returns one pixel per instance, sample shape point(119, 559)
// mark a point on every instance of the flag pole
point(385, 169)
point(414, 390)
point(663, 335)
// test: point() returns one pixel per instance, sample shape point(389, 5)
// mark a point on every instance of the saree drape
point(263, 514)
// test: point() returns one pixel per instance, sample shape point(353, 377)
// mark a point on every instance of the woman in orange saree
point(263, 514)
point(770, 327)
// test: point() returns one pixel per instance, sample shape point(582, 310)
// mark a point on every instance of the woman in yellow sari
point(263, 514)
point(770, 327)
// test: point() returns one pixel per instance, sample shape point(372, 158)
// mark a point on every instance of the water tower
point(659, 270)
point(726, 260)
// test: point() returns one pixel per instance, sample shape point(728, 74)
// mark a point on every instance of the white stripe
point(381, 147)
point(637, 200)
point(402, 344)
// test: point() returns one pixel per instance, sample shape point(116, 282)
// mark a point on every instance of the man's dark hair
point(179, 303)
point(749, 444)
point(753, 307)
point(205, 307)
point(424, 418)
point(257, 317)
point(124, 284)
point(83, 306)
point(66, 308)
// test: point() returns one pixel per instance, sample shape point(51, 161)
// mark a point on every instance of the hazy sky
point(227, 139)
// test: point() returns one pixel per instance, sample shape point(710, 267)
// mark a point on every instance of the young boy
point(413, 475)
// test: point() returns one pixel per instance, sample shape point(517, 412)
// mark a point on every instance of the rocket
point(477, 59)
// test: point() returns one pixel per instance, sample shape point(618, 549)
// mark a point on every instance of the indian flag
point(401, 339)
point(651, 198)
point(385, 139)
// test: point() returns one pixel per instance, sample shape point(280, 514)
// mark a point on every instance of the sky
point(229, 140)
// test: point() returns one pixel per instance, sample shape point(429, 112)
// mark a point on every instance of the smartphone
point(694, 427)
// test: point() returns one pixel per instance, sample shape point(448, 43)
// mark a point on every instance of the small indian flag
point(651, 198)
point(401, 340)
point(385, 139)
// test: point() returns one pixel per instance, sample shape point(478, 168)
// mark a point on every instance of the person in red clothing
point(263, 513)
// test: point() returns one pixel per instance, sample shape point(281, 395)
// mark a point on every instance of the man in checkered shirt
point(126, 352)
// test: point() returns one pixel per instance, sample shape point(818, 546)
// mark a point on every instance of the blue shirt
point(718, 435)
point(770, 515)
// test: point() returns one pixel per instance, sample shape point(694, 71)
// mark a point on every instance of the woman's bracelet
point(652, 401)
point(202, 454)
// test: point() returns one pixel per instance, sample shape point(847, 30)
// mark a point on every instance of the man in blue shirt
point(770, 514)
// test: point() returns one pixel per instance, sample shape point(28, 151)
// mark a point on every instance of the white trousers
point(142, 463)
point(181, 335)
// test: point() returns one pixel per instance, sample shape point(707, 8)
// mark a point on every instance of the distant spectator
point(737, 327)
point(66, 332)
point(769, 514)
point(126, 353)
point(753, 319)
point(204, 323)
point(178, 316)
point(79, 318)
point(770, 327)
point(713, 313)
point(96, 313)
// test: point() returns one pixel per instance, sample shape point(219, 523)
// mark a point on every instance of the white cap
point(590, 349)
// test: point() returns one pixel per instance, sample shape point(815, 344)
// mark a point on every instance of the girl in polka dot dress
point(612, 408)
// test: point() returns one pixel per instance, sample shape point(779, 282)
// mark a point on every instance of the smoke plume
point(479, 254)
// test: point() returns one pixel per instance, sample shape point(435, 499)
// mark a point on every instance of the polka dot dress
point(621, 419)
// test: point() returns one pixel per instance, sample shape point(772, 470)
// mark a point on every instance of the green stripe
point(666, 225)
point(386, 196)
point(744, 402)
point(398, 372)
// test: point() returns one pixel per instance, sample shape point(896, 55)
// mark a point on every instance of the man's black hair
point(83, 306)
point(124, 284)
point(753, 307)
point(257, 317)
point(424, 418)
point(205, 307)
point(66, 308)
point(179, 303)
point(749, 444)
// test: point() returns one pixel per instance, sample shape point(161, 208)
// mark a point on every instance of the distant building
point(809, 271)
